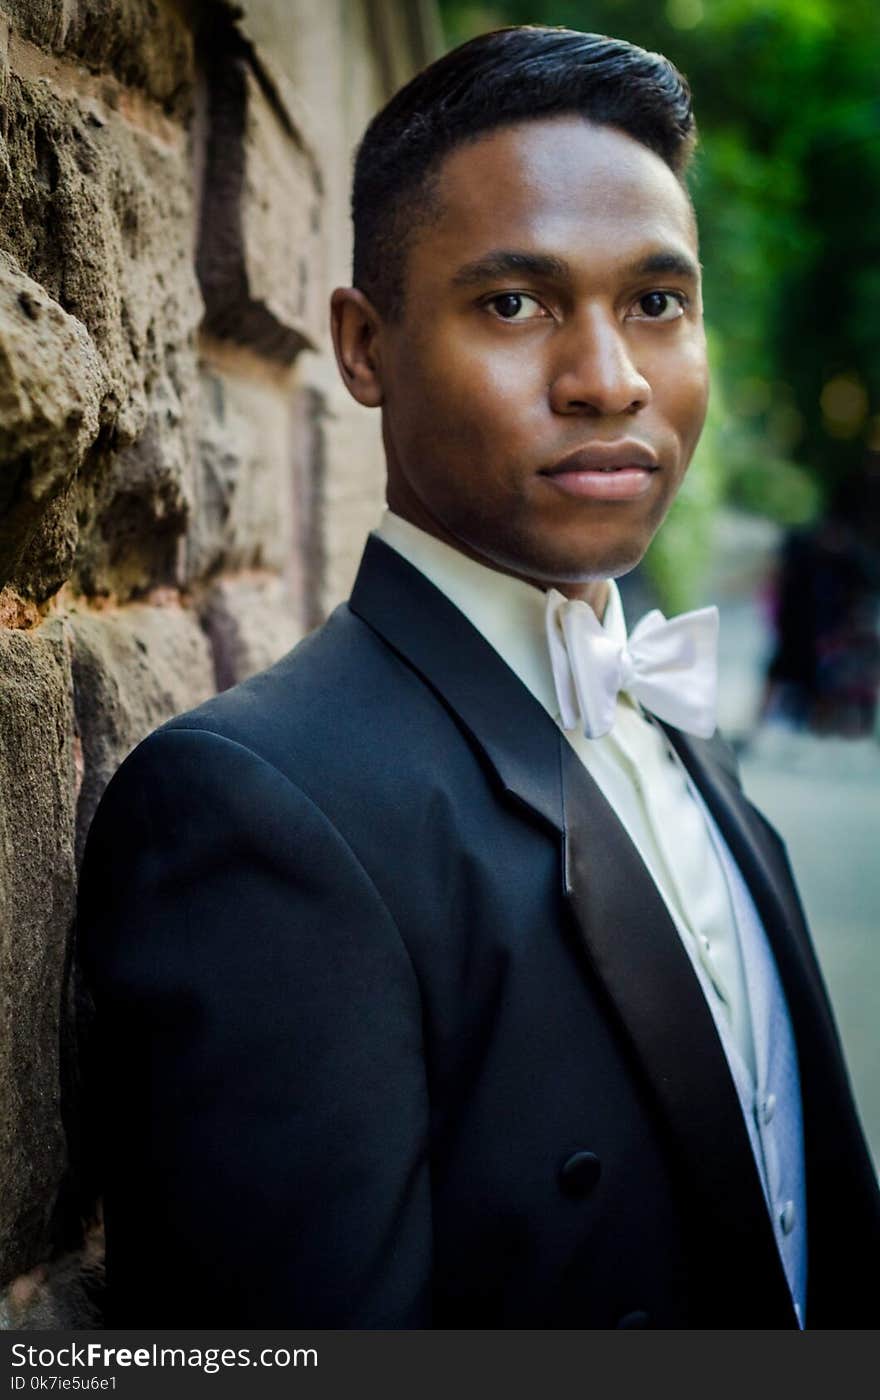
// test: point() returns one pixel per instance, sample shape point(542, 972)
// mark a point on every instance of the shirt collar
point(508, 612)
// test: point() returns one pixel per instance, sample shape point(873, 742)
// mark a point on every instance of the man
point(443, 977)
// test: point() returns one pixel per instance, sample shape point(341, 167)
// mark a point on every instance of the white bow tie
point(668, 666)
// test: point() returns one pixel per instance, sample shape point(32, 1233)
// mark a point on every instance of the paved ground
point(823, 795)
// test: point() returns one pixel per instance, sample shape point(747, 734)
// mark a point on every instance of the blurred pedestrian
point(824, 673)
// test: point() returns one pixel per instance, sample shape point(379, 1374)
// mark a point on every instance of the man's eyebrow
point(669, 262)
point(508, 262)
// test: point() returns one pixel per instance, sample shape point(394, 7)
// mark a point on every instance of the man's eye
point(516, 306)
point(660, 306)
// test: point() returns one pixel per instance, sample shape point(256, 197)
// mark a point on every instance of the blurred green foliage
point(787, 189)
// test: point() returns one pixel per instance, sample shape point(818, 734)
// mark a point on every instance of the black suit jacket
point(395, 1030)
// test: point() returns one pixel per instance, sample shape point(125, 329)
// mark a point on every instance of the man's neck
point(594, 591)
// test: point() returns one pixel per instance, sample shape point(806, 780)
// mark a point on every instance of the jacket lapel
point(631, 944)
point(499, 714)
point(760, 854)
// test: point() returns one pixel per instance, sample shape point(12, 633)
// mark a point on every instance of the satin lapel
point(637, 954)
point(760, 854)
point(630, 942)
point(418, 621)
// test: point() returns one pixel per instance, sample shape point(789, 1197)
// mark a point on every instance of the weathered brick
point(37, 802)
point(100, 215)
point(51, 381)
point(146, 43)
point(243, 500)
point(251, 622)
point(132, 669)
point(260, 256)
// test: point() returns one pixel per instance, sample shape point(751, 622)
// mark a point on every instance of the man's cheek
point(694, 381)
point(696, 423)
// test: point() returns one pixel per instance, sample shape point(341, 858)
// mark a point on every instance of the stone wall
point(184, 484)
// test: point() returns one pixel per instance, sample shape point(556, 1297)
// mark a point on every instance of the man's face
point(546, 386)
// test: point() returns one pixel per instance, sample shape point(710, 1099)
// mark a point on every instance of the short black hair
point(506, 76)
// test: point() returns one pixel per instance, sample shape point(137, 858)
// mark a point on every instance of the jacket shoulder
point(342, 715)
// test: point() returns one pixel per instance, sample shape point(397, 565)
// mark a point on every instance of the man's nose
point(594, 372)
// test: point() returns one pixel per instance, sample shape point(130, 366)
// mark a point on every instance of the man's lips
point(608, 471)
point(606, 456)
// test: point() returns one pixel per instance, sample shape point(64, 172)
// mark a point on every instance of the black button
point(579, 1174)
point(634, 1319)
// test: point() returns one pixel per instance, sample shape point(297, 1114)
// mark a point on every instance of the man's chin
point(581, 567)
point(554, 563)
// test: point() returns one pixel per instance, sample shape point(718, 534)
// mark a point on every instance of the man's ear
point(354, 324)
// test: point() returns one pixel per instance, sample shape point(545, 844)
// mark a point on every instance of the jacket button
point(634, 1319)
point(579, 1174)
